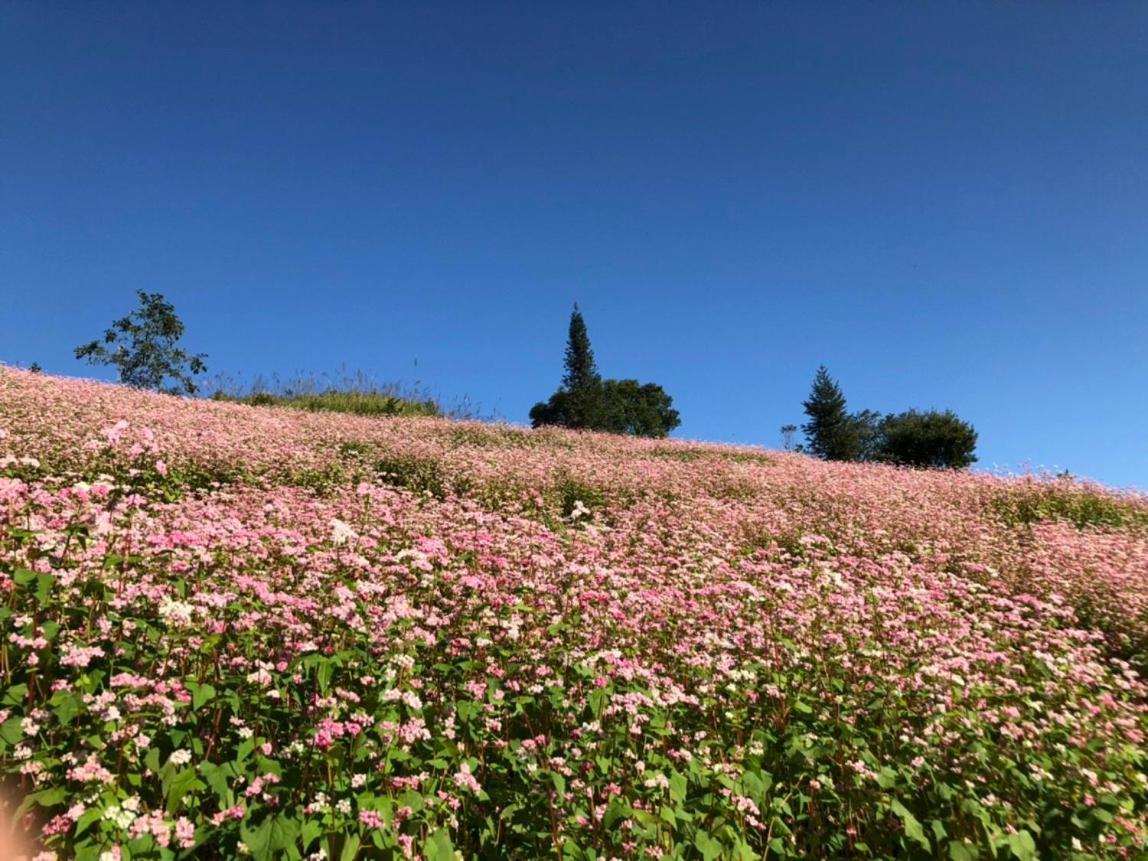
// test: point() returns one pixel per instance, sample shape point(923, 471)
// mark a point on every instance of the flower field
point(242, 631)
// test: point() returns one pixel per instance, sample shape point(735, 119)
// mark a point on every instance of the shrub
point(926, 439)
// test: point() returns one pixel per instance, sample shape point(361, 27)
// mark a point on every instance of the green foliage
point(578, 402)
point(366, 403)
point(419, 474)
point(1061, 500)
point(831, 433)
point(143, 347)
point(581, 371)
point(924, 439)
point(921, 439)
point(587, 401)
point(355, 394)
point(867, 425)
point(638, 409)
point(574, 495)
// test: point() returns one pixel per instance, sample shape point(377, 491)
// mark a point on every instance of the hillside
point(239, 629)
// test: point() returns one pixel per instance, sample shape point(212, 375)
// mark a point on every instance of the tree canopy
point(143, 346)
point(927, 439)
point(831, 433)
point(921, 439)
point(585, 400)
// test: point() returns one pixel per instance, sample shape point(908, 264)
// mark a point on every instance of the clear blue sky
point(945, 203)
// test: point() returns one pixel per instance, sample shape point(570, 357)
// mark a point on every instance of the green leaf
point(66, 705)
point(705, 844)
point(200, 694)
point(1022, 846)
point(22, 576)
point(678, 786)
point(43, 798)
point(152, 760)
point(216, 778)
point(44, 583)
point(439, 847)
point(350, 847)
point(10, 731)
point(326, 670)
point(912, 826)
point(310, 830)
point(961, 852)
point(275, 836)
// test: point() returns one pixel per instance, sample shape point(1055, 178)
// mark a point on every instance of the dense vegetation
point(285, 634)
point(355, 394)
point(585, 401)
point(921, 439)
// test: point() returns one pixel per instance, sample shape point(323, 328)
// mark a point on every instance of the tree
point(831, 433)
point(638, 410)
point(144, 349)
point(581, 371)
point(927, 439)
point(555, 411)
point(867, 426)
point(585, 400)
point(578, 402)
point(787, 432)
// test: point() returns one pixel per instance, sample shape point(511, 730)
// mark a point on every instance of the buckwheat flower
point(180, 757)
point(176, 612)
point(343, 806)
point(341, 533)
point(184, 833)
point(465, 780)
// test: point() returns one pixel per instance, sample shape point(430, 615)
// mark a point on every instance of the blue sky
point(945, 203)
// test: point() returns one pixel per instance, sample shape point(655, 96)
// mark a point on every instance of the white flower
point(341, 533)
point(176, 612)
point(180, 757)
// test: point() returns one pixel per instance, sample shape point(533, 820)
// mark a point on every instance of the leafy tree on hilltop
point(928, 439)
point(637, 409)
point(144, 349)
point(831, 433)
point(868, 425)
point(586, 401)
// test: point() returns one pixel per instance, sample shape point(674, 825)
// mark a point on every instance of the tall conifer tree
point(581, 372)
point(831, 432)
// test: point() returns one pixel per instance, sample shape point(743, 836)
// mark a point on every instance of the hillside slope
point(242, 629)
